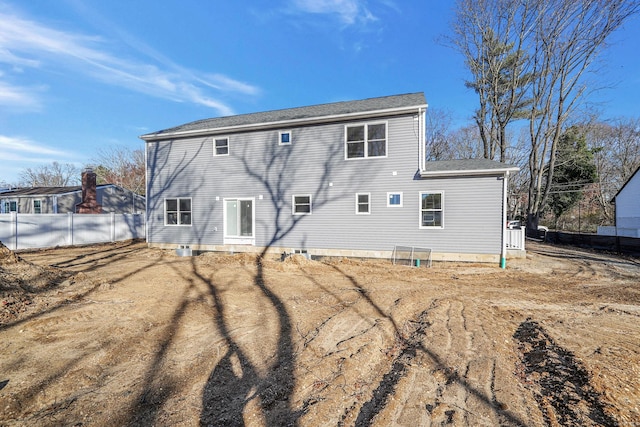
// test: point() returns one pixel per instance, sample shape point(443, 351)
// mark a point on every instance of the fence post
point(113, 226)
point(69, 228)
point(14, 231)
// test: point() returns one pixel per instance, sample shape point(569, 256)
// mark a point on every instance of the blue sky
point(78, 75)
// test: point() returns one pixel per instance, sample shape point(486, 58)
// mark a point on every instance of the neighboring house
point(52, 200)
point(627, 202)
point(339, 179)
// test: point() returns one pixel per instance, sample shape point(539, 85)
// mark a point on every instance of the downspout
point(146, 192)
point(503, 254)
point(421, 137)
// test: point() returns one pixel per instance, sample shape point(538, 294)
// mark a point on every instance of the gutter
point(258, 126)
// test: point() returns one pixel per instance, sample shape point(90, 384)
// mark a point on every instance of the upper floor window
point(37, 206)
point(220, 146)
point(177, 211)
point(431, 209)
point(394, 199)
point(284, 138)
point(367, 140)
point(302, 205)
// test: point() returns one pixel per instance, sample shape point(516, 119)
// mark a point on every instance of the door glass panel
point(246, 218)
point(232, 218)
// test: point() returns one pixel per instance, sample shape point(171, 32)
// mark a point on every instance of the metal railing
point(515, 238)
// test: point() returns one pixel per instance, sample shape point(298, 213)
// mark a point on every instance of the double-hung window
point(363, 205)
point(301, 205)
point(431, 209)
point(221, 146)
point(177, 211)
point(37, 206)
point(366, 140)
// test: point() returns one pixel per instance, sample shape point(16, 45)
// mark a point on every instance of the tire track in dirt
point(558, 381)
point(438, 377)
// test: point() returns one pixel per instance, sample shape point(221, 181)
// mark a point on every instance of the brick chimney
point(89, 203)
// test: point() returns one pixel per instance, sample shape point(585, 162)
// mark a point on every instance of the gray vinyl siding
point(315, 164)
point(118, 200)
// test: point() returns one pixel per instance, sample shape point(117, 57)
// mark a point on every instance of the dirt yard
point(121, 334)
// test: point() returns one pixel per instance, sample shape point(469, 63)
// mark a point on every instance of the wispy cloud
point(25, 43)
point(19, 149)
point(349, 12)
point(19, 98)
point(20, 153)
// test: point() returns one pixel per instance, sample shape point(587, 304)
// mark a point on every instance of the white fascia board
point(473, 172)
point(284, 123)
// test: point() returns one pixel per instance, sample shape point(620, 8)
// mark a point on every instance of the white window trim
point(164, 207)
point(6, 206)
point(368, 204)
point(389, 194)
point(442, 209)
point(239, 240)
point(213, 142)
point(366, 140)
point(280, 137)
point(293, 204)
point(33, 205)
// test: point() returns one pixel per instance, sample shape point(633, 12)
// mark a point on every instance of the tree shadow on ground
point(236, 381)
point(410, 345)
point(227, 391)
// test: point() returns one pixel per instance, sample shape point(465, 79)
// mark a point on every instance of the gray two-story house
point(339, 179)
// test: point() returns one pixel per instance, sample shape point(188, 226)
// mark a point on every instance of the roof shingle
point(300, 113)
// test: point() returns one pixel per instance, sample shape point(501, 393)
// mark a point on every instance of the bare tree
point(465, 143)
point(121, 166)
point(53, 175)
point(518, 183)
point(616, 148)
point(568, 36)
point(529, 59)
point(490, 34)
point(438, 134)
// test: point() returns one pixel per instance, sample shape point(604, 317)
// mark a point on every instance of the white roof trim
point(475, 172)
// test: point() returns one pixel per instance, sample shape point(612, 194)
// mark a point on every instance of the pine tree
point(575, 168)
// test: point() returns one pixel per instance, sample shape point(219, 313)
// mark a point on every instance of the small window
point(368, 140)
point(363, 207)
point(302, 205)
point(431, 210)
point(37, 206)
point(285, 138)
point(394, 200)
point(221, 146)
point(177, 211)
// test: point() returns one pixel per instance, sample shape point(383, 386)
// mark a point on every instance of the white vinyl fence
point(29, 231)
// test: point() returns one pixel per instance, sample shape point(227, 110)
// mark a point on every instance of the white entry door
point(239, 221)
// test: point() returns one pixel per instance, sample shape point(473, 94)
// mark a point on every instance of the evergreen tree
point(575, 168)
